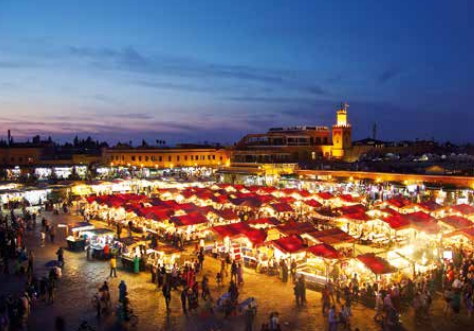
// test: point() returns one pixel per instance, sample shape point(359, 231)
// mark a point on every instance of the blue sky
point(216, 70)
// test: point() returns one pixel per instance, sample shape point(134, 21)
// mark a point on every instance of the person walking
point(297, 293)
point(240, 274)
point(293, 270)
point(167, 295)
point(201, 260)
point(233, 271)
point(184, 297)
point(250, 313)
point(122, 290)
point(302, 283)
point(30, 263)
point(88, 252)
point(52, 233)
point(206, 292)
point(274, 324)
point(59, 324)
point(223, 271)
point(332, 319)
point(51, 290)
point(113, 267)
point(60, 254)
point(119, 229)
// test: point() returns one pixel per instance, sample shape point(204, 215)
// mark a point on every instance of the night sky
point(191, 71)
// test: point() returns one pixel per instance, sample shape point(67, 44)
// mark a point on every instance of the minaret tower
point(341, 133)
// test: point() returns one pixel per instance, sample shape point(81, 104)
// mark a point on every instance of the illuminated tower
point(341, 133)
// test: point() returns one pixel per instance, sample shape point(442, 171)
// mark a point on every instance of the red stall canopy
point(464, 209)
point(376, 264)
point(237, 230)
point(292, 228)
point(397, 222)
point(348, 198)
point(290, 245)
point(325, 195)
point(227, 214)
point(325, 251)
point(313, 203)
point(189, 219)
point(429, 206)
point(332, 236)
point(423, 222)
point(282, 207)
point(456, 222)
point(269, 221)
point(221, 199)
point(398, 202)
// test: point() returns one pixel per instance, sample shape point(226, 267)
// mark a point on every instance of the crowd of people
point(454, 279)
point(18, 261)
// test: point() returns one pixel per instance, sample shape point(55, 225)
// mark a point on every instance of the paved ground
point(81, 279)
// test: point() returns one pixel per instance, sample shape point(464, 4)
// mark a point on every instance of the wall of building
point(166, 158)
point(461, 181)
point(20, 156)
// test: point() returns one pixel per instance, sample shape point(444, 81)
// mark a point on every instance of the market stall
point(100, 241)
point(133, 253)
point(321, 259)
point(164, 255)
point(76, 240)
point(240, 241)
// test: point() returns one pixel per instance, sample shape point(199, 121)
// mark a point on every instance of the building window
point(153, 158)
point(185, 158)
point(169, 158)
point(208, 157)
point(146, 158)
point(220, 158)
point(139, 158)
point(20, 159)
point(177, 158)
point(12, 159)
point(214, 157)
point(203, 157)
point(196, 157)
point(133, 157)
point(160, 158)
point(123, 158)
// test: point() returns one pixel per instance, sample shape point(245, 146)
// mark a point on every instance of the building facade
point(150, 157)
point(296, 144)
point(20, 156)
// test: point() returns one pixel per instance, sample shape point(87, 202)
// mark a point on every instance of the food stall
point(134, 253)
point(98, 239)
point(370, 270)
point(289, 248)
point(462, 239)
point(193, 226)
point(76, 241)
point(165, 255)
point(321, 259)
point(414, 258)
point(240, 241)
point(335, 237)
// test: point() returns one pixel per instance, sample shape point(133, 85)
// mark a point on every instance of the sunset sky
point(190, 71)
